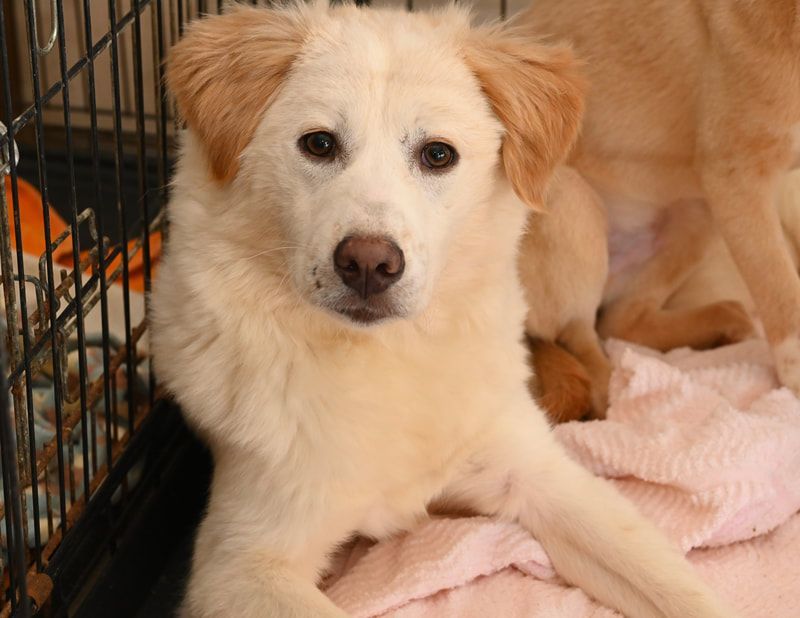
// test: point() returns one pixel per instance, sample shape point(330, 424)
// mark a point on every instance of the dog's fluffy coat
point(321, 429)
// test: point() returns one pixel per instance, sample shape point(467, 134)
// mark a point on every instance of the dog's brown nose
point(368, 264)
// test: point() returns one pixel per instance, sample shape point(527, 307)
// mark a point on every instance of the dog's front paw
point(787, 362)
point(734, 322)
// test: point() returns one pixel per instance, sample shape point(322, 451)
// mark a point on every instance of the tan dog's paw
point(733, 321)
point(559, 382)
point(787, 363)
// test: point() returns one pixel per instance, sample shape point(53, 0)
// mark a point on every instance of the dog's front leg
point(258, 554)
point(743, 203)
point(595, 538)
point(251, 583)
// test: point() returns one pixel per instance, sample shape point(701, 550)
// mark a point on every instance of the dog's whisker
point(273, 250)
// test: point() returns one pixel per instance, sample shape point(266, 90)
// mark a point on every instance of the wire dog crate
point(85, 160)
point(85, 157)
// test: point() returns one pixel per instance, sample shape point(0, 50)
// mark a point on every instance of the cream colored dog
point(339, 313)
point(693, 117)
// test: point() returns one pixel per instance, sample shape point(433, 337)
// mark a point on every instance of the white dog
point(339, 313)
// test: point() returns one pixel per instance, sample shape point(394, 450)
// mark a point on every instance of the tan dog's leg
point(789, 212)
point(639, 315)
point(580, 338)
point(704, 327)
point(743, 203)
point(563, 267)
point(570, 377)
point(560, 382)
point(595, 538)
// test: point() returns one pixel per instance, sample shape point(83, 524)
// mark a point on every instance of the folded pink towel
point(703, 442)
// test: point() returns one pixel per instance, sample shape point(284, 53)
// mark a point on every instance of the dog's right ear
point(225, 71)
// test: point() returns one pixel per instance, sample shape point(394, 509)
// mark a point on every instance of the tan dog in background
point(563, 268)
point(693, 118)
point(349, 345)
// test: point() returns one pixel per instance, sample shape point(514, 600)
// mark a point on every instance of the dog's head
point(362, 138)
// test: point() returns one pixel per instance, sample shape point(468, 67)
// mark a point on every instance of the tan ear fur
point(537, 92)
point(225, 71)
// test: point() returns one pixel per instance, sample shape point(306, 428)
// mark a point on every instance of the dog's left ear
point(537, 93)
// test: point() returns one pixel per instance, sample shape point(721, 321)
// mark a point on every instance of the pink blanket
point(703, 442)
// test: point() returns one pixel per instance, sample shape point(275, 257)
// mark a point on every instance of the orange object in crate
point(136, 263)
point(33, 241)
point(31, 221)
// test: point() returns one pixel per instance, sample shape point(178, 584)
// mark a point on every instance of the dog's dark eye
point(319, 144)
point(438, 155)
